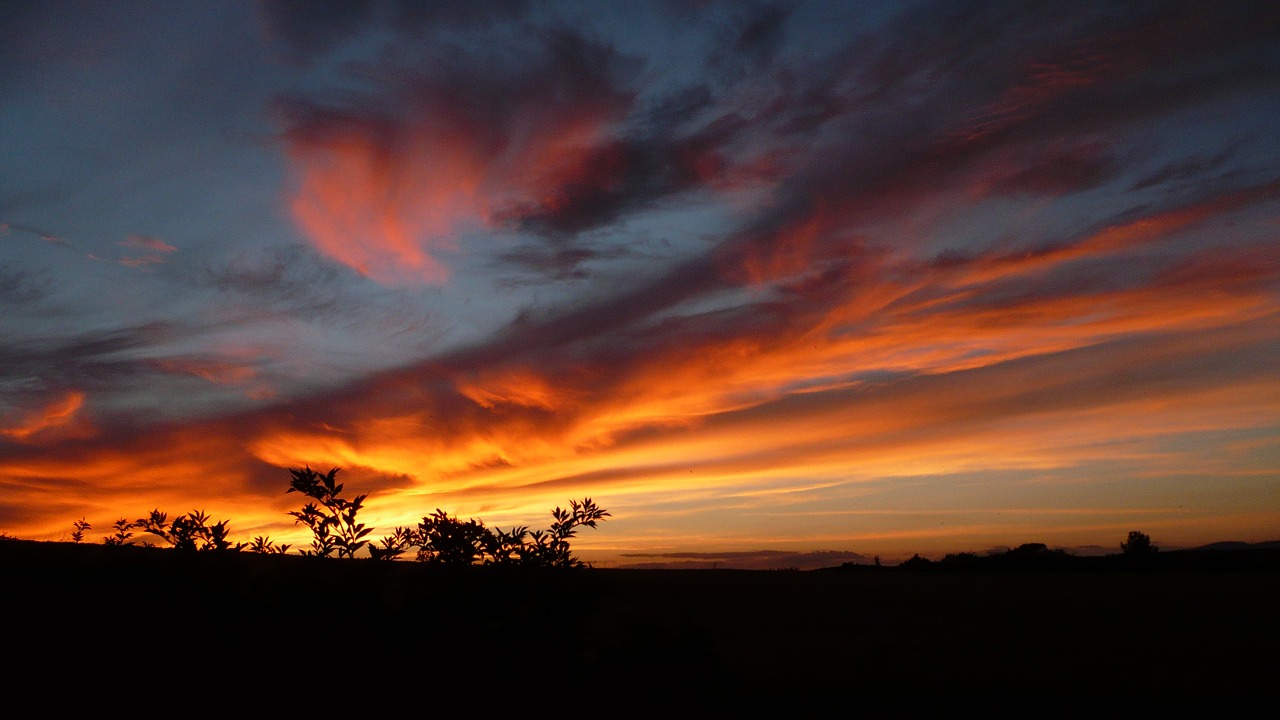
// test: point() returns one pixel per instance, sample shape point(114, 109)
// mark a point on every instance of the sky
point(771, 282)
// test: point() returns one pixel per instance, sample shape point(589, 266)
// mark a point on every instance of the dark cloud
point(676, 109)
point(1057, 170)
point(762, 34)
point(289, 280)
point(984, 84)
point(459, 14)
point(1192, 170)
point(91, 360)
point(312, 28)
point(621, 178)
point(22, 287)
point(542, 263)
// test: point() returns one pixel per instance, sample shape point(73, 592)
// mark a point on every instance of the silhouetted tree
point(966, 559)
point(1138, 544)
point(915, 562)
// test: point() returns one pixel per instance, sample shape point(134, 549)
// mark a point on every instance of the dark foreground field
point(137, 623)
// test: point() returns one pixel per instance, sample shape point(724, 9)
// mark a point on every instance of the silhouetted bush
point(332, 522)
point(124, 532)
point(191, 532)
point(446, 540)
point(440, 538)
point(266, 546)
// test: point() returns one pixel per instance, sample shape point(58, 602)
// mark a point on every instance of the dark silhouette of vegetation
point(80, 526)
point(916, 562)
point(445, 540)
point(190, 533)
point(266, 546)
point(333, 522)
point(392, 546)
point(1137, 552)
point(440, 539)
point(124, 532)
point(1138, 544)
point(552, 548)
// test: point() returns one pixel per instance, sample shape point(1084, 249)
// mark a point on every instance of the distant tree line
point(439, 539)
point(1136, 549)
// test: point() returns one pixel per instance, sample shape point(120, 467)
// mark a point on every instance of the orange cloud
point(383, 213)
point(146, 242)
point(389, 211)
point(158, 250)
point(57, 417)
point(388, 186)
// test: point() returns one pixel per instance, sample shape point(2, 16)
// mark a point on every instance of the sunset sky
point(851, 277)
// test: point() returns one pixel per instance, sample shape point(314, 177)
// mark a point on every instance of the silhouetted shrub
point(392, 546)
point(333, 522)
point(551, 549)
point(266, 546)
point(446, 540)
point(441, 539)
point(124, 532)
point(77, 534)
point(191, 532)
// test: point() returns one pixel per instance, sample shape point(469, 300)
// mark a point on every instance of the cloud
point(56, 416)
point(212, 370)
point(387, 183)
point(88, 360)
point(310, 29)
point(22, 287)
point(134, 262)
point(146, 242)
point(159, 250)
point(292, 281)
